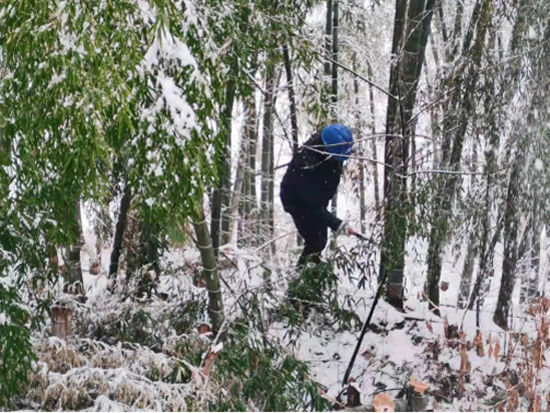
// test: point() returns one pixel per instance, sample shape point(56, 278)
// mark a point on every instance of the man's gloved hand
point(343, 228)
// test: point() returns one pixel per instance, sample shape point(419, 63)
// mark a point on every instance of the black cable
point(364, 330)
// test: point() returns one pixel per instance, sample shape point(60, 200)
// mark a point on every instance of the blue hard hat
point(338, 140)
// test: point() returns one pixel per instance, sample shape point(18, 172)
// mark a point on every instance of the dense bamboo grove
point(159, 128)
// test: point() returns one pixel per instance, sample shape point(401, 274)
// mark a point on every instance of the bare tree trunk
point(467, 271)
point(334, 91)
point(485, 271)
point(292, 99)
point(359, 134)
point(447, 186)
point(533, 282)
point(210, 271)
point(73, 273)
point(373, 143)
point(511, 223)
point(516, 183)
point(392, 248)
point(293, 112)
point(267, 190)
point(404, 76)
point(238, 192)
point(524, 269)
point(457, 30)
point(221, 193)
point(249, 215)
point(328, 37)
point(53, 259)
point(473, 241)
point(119, 231)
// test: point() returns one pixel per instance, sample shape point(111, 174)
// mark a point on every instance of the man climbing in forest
point(310, 181)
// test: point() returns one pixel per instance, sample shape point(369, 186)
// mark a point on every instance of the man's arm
point(324, 216)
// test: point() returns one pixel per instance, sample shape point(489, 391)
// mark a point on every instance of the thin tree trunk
point(392, 248)
point(238, 192)
point(249, 227)
point(119, 231)
point(485, 272)
point(457, 30)
point(440, 22)
point(511, 223)
point(467, 272)
point(293, 111)
point(334, 93)
point(447, 186)
point(267, 155)
point(210, 271)
point(373, 143)
point(472, 245)
point(328, 37)
point(516, 184)
point(271, 177)
point(359, 134)
point(524, 258)
point(221, 193)
point(73, 274)
point(533, 283)
point(292, 99)
point(53, 260)
point(404, 76)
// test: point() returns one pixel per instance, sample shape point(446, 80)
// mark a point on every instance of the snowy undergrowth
point(464, 370)
point(130, 353)
point(84, 374)
point(123, 355)
point(135, 354)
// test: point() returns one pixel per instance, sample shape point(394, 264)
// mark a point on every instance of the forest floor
point(156, 353)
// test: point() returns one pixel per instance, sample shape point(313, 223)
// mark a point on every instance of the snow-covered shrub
point(255, 373)
point(88, 374)
point(316, 289)
point(16, 353)
point(92, 94)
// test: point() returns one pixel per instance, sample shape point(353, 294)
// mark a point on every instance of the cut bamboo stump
point(354, 398)
point(62, 316)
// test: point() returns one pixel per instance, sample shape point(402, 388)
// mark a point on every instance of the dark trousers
point(314, 234)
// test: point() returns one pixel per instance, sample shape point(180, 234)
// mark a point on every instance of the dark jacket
point(310, 181)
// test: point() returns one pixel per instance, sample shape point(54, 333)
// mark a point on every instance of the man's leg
point(316, 245)
point(314, 237)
